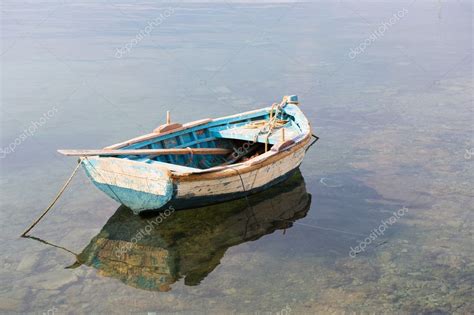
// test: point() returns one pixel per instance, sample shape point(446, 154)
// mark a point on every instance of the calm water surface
point(395, 121)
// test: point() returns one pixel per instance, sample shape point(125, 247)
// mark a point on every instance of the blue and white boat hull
point(138, 186)
point(144, 183)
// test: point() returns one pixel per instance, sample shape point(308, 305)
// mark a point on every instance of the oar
point(212, 151)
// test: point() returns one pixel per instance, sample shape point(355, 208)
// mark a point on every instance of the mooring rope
point(50, 244)
point(249, 205)
point(316, 138)
point(272, 122)
point(54, 200)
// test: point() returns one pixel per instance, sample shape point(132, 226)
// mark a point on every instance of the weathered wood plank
point(153, 135)
point(188, 127)
point(212, 151)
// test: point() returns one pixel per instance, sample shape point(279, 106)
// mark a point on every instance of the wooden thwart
point(105, 152)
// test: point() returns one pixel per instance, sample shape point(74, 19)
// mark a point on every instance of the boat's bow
point(139, 186)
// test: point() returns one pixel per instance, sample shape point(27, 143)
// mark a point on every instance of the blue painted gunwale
point(262, 113)
point(189, 137)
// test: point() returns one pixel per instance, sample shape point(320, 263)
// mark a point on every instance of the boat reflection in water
point(190, 243)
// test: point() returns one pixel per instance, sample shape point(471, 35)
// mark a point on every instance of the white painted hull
point(258, 178)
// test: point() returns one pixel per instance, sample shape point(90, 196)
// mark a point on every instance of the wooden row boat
point(202, 162)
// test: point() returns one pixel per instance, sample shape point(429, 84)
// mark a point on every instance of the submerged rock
point(28, 262)
point(51, 280)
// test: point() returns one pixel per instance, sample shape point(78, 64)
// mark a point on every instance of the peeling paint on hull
point(136, 185)
point(194, 202)
point(139, 201)
point(143, 184)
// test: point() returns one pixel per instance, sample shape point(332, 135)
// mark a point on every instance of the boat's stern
point(139, 186)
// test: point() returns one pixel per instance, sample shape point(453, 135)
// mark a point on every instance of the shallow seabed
point(395, 122)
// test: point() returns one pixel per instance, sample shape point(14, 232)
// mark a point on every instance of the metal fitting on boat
point(292, 99)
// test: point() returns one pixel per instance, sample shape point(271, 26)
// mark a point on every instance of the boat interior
point(247, 135)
